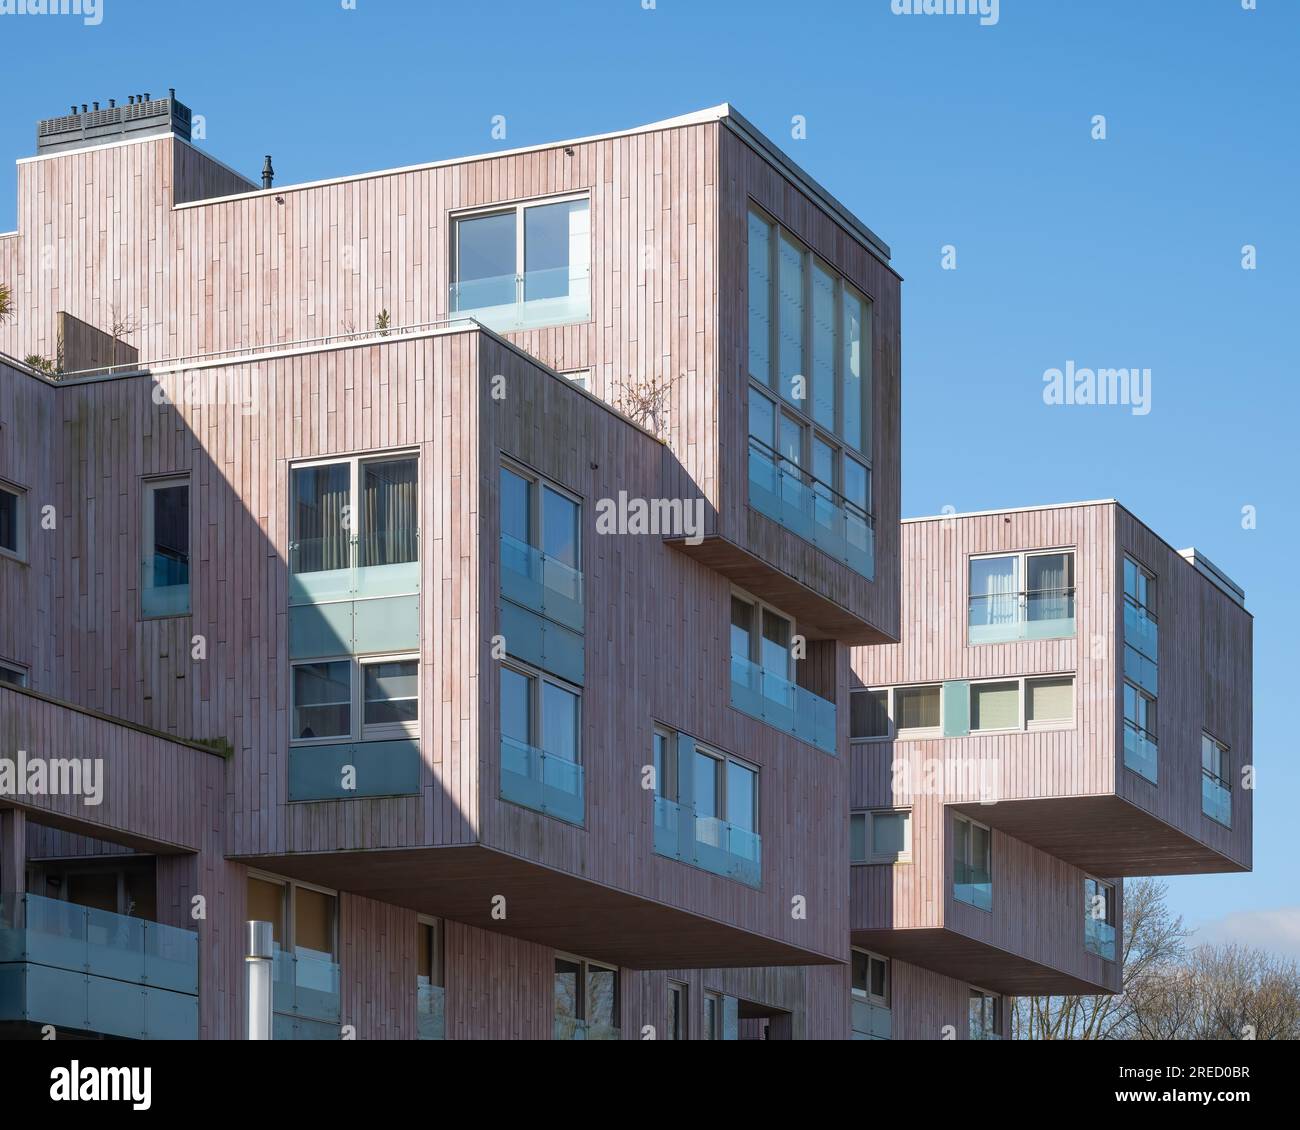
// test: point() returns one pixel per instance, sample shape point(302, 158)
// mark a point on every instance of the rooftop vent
point(142, 116)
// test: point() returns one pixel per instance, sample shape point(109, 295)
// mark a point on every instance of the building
point(454, 566)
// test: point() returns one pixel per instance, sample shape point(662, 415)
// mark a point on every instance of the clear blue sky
point(935, 131)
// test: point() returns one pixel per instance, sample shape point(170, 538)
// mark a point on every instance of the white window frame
point(1019, 684)
point(150, 486)
point(1022, 579)
point(359, 731)
point(19, 669)
point(869, 816)
point(536, 677)
point(866, 994)
point(756, 632)
point(1049, 723)
point(579, 377)
point(19, 552)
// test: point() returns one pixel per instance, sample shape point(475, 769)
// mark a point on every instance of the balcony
point(545, 782)
point(708, 843)
point(1042, 614)
point(551, 297)
point(1140, 751)
point(1216, 799)
point(305, 996)
point(973, 885)
point(79, 968)
point(1141, 647)
point(571, 1028)
point(1099, 937)
point(431, 1013)
point(764, 695)
point(872, 1021)
point(788, 494)
point(322, 570)
point(535, 580)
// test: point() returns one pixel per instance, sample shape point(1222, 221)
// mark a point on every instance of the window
point(586, 1000)
point(304, 920)
point(917, 709)
point(1141, 628)
point(540, 711)
point(726, 789)
point(1049, 702)
point(871, 977)
point(165, 575)
point(881, 836)
point(524, 264)
point(762, 635)
point(1216, 782)
point(537, 514)
point(1141, 747)
point(430, 973)
point(713, 1016)
point(869, 714)
point(665, 763)
point(886, 712)
point(1020, 596)
point(361, 512)
point(972, 863)
point(985, 1015)
point(1099, 917)
point(13, 674)
point(579, 377)
point(324, 707)
point(13, 522)
point(995, 706)
point(677, 1012)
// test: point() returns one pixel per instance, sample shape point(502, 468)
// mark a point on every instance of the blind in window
point(1050, 700)
point(995, 706)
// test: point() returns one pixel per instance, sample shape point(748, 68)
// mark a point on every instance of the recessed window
point(677, 1012)
point(1216, 781)
point(917, 709)
point(13, 674)
point(995, 706)
point(13, 522)
point(1099, 917)
point(985, 1016)
point(165, 574)
point(1021, 596)
point(368, 698)
point(1141, 628)
point(579, 377)
point(881, 836)
point(524, 264)
point(871, 977)
point(972, 859)
point(869, 714)
point(586, 999)
point(1141, 747)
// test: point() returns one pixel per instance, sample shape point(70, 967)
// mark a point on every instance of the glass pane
point(313, 922)
point(706, 785)
point(825, 345)
point(852, 373)
point(389, 518)
point(266, 904)
point(560, 527)
point(790, 276)
point(742, 627)
point(665, 767)
point(869, 714)
point(760, 300)
point(1050, 700)
point(981, 846)
point(994, 590)
point(861, 972)
point(858, 837)
point(322, 519)
point(888, 834)
point(791, 440)
point(559, 721)
point(602, 996)
point(762, 418)
point(674, 1012)
point(1049, 583)
point(775, 653)
point(857, 484)
point(8, 521)
point(567, 975)
point(392, 691)
point(823, 467)
point(879, 969)
point(516, 513)
point(557, 250)
point(916, 708)
point(995, 706)
point(516, 706)
point(486, 261)
point(322, 699)
point(170, 552)
point(742, 797)
point(711, 1018)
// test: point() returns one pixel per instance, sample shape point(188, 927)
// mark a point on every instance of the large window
point(713, 1016)
point(1141, 628)
point(985, 1018)
point(1141, 745)
point(880, 836)
point(1216, 782)
point(586, 999)
point(370, 698)
point(972, 860)
point(1034, 702)
point(165, 573)
point(523, 265)
point(1019, 596)
point(13, 522)
point(304, 925)
point(541, 546)
point(430, 980)
point(1099, 917)
point(541, 743)
point(678, 1015)
point(871, 977)
point(886, 712)
point(13, 674)
point(995, 706)
point(761, 635)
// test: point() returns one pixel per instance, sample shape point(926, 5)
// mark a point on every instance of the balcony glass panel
point(973, 885)
point(165, 586)
point(1099, 937)
point(571, 1028)
point(80, 967)
point(1140, 751)
point(549, 296)
point(539, 581)
point(545, 782)
point(1004, 617)
point(334, 568)
point(767, 696)
point(305, 996)
point(787, 494)
point(430, 1013)
point(1216, 800)
point(707, 842)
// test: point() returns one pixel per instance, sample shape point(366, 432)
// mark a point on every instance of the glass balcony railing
point(1216, 799)
point(1041, 614)
point(165, 586)
point(430, 1013)
point(1141, 647)
point(305, 996)
point(545, 782)
point(788, 494)
point(518, 302)
point(85, 969)
point(1140, 751)
point(765, 695)
point(973, 885)
point(347, 568)
point(1099, 937)
point(707, 842)
point(571, 1028)
point(538, 581)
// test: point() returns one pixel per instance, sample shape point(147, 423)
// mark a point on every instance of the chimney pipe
point(171, 93)
point(268, 173)
point(96, 105)
point(84, 107)
point(112, 102)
